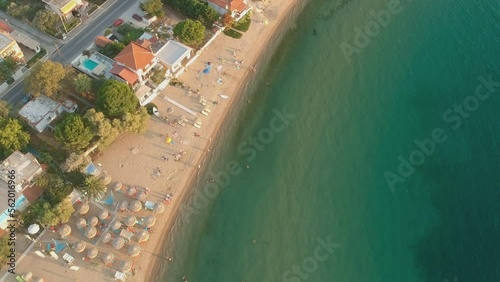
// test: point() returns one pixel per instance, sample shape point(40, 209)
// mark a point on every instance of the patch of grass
point(232, 33)
point(243, 24)
point(37, 57)
point(72, 24)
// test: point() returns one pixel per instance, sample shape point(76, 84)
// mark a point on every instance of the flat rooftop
point(25, 165)
point(35, 110)
point(25, 40)
point(173, 52)
point(5, 39)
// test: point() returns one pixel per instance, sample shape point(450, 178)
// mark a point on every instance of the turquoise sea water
point(322, 178)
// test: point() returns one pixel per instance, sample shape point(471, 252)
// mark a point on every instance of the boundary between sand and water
point(279, 33)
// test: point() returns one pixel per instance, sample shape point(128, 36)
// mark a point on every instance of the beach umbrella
point(64, 230)
point(90, 232)
point(149, 221)
point(27, 276)
point(118, 243)
point(117, 186)
point(81, 223)
point(123, 206)
point(106, 179)
point(106, 237)
point(142, 235)
point(33, 228)
point(131, 191)
point(125, 265)
point(141, 196)
point(135, 206)
point(130, 221)
point(168, 140)
point(159, 208)
point(108, 258)
point(79, 246)
point(133, 250)
point(83, 208)
point(115, 225)
point(103, 214)
point(92, 252)
point(93, 221)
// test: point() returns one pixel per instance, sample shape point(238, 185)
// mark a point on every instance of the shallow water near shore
point(321, 177)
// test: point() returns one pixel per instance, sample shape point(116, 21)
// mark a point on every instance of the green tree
point(153, 7)
point(82, 83)
point(73, 133)
point(12, 136)
point(227, 20)
point(17, 10)
point(8, 66)
point(93, 187)
point(45, 79)
point(136, 122)
point(116, 98)
point(45, 20)
point(190, 32)
point(54, 186)
point(4, 109)
point(4, 248)
point(101, 126)
point(112, 49)
point(53, 214)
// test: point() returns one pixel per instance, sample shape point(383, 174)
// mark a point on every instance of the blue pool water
point(90, 64)
point(19, 201)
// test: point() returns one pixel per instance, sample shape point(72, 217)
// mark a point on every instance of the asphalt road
point(71, 49)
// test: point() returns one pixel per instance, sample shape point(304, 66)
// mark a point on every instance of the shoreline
point(258, 61)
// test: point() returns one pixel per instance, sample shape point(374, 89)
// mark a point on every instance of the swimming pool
point(90, 64)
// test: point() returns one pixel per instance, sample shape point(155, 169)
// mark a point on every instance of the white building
point(40, 112)
point(173, 56)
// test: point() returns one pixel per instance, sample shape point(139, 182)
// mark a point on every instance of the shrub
point(195, 9)
point(190, 32)
point(232, 33)
point(243, 24)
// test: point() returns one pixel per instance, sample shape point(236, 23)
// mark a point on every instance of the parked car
point(137, 17)
point(118, 22)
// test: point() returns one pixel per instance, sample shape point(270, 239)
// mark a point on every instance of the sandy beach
point(148, 160)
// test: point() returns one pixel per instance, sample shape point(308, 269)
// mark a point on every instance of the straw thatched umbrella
point(81, 223)
point(117, 186)
point(149, 221)
point(159, 207)
point(125, 265)
point(83, 208)
point(79, 246)
point(103, 214)
point(27, 276)
point(106, 179)
point(131, 191)
point(135, 206)
point(64, 230)
point(130, 221)
point(92, 252)
point(106, 237)
point(133, 250)
point(141, 196)
point(93, 221)
point(108, 258)
point(115, 225)
point(123, 205)
point(90, 232)
point(142, 235)
point(118, 243)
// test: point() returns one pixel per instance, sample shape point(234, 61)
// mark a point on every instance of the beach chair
point(19, 278)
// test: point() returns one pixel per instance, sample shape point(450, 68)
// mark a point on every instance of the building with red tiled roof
point(225, 6)
point(102, 41)
point(137, 59)
point(124, 73)
point(6, 27)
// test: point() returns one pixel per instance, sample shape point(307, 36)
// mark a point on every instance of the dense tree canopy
point(45, 79)
point(52, 215)
point(190, 32)
point(4, 109)
point(17, 10)
point(116, 98)
point(82, 83)
point(136, 122)
point(153, 7)
point(195, 9)
point(12, 136)
point(73, 133)
point(107, 130)
point(45, 20)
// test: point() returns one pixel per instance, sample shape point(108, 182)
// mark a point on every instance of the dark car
point(137, 17)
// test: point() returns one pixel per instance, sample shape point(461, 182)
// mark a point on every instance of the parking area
point(135, 9)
